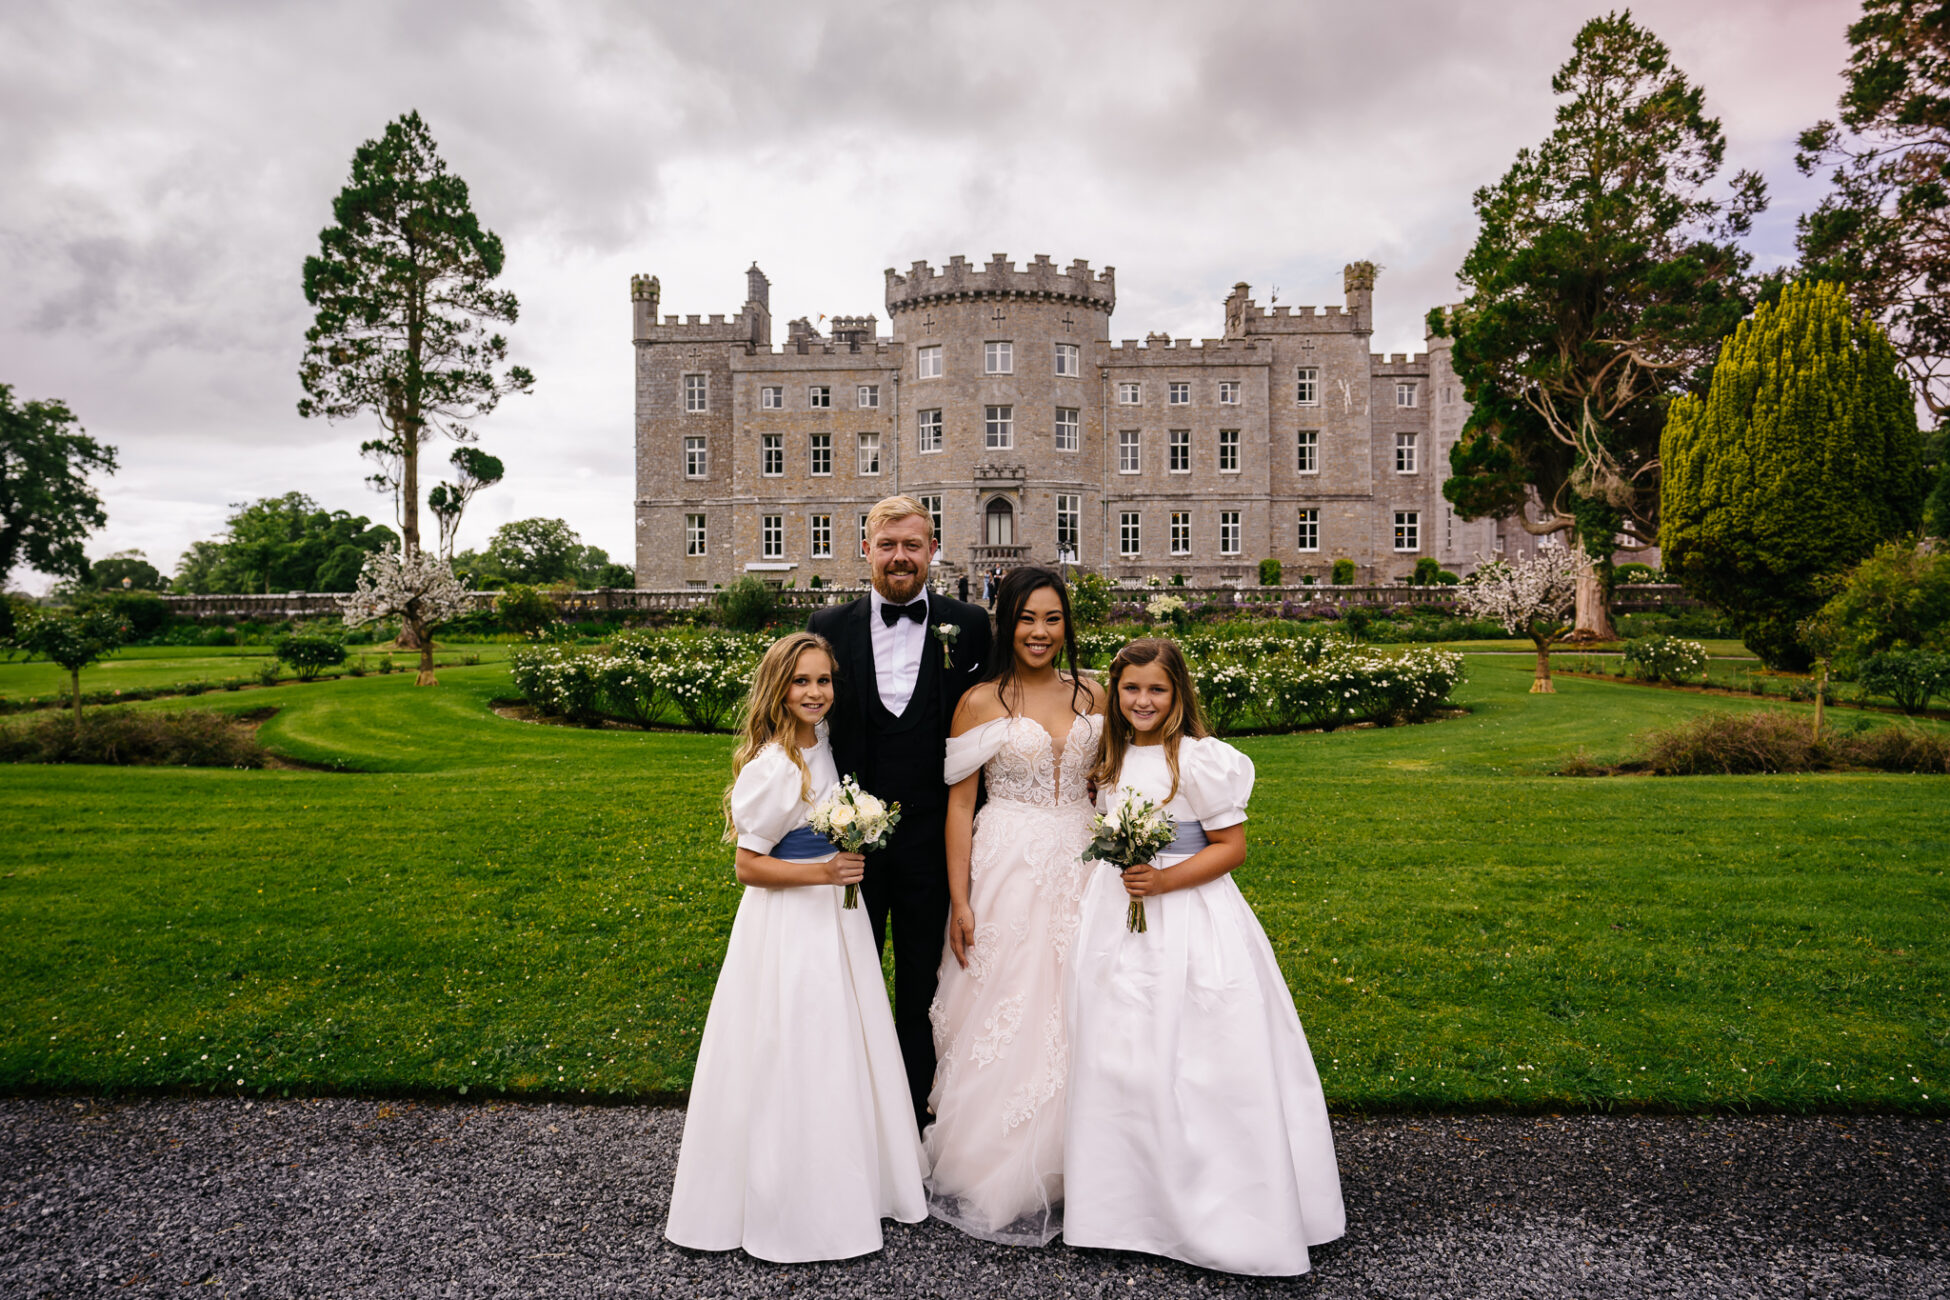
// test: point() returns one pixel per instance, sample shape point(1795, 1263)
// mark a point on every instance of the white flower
point(871, 808)
point(841, 816)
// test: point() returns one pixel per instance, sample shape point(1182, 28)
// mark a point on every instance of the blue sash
point(803, 844)
point(1189, 840)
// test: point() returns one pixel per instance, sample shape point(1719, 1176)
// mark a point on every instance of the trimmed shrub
point(525, 609)
point(1426, 570)
point(1269, 572)
point(1343, 572)
point(310, 653)
point(131, 737)
point(1664, 659)
point(1739, 744)
point(746, 605)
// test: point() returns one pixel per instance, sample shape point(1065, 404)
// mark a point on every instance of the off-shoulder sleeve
point(968, 751)
point(1218, 780)
point(765, 801)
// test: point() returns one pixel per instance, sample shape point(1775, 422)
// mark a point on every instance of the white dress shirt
point(897, 653)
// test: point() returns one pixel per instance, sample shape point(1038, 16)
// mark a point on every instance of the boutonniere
point(946, 634)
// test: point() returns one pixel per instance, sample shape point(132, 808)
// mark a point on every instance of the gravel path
point(362, 1198)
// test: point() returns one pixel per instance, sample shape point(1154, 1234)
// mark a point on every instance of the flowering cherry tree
point(419, 589)
point(1537, 596)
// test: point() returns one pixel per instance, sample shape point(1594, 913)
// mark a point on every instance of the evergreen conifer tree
point(1802, 456)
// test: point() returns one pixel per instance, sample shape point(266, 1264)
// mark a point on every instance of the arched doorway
point(1000, 523)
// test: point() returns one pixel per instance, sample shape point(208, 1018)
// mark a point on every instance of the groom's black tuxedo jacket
point(899, 757)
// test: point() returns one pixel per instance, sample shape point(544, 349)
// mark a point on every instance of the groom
point(905, 657)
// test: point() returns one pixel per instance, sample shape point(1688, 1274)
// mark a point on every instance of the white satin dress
point(800, 1134)
point(1197, 1129)
point(996, 1145)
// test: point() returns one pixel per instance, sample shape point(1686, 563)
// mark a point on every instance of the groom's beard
point(900, 582)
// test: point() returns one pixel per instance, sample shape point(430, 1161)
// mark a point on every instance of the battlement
point(999, 278)
point(1383, 364)
point(821, 355)
point(1161, 350)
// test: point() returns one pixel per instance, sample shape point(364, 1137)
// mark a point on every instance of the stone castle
point(999, 400)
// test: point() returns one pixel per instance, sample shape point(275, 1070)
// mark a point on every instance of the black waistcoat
point(901, 756)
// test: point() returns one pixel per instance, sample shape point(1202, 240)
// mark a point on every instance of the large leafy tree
point(1801, 457)
point(125, 571)
point(1603, 277)
point(474, 469)
point(541, 551)
point(287, 543)
point(403, 287)
point(47, 506)
point(1884, 230)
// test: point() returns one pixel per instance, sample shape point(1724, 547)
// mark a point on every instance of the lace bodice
point(1022, 769)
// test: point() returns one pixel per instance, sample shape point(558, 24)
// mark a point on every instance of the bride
point(1015, 881)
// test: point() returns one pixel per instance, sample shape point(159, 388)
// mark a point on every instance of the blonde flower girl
point(800, 1137)
point(1197, 1126)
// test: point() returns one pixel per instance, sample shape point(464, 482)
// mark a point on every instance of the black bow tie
point(892, 614)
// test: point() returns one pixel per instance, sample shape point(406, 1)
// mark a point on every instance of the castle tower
point(1002, 391)
point(1359, 277)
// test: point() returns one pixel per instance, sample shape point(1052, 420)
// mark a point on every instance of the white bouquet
point(1130, 833)
point(855, 822)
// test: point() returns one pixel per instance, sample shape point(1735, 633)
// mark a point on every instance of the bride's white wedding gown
point(996, 1146)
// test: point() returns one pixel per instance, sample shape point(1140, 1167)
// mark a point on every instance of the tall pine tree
point(1802, 456)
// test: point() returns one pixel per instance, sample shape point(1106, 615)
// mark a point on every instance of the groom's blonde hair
point(890, 509)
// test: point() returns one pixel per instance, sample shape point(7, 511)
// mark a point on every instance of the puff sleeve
point(1217, 781)
point(968, 751)
point(765, 802)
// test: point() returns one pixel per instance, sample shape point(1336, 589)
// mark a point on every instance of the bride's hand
point(1144, 881)
point(845, 869)
point(961, 931)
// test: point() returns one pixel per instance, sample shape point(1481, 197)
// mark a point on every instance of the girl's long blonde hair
point(765, 718)
point(1185, 718)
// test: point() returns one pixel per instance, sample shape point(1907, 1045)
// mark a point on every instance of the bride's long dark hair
point(1010, 597)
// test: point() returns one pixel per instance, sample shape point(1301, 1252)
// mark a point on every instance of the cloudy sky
point(168, 167)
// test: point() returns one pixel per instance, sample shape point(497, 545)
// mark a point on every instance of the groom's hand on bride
point(961, 931)
point(1144, 881)
point(846, 869)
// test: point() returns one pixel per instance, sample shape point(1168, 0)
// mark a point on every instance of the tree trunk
point(424, 638)
point(1542, 685)
point(74, 690)
point(1594, 611)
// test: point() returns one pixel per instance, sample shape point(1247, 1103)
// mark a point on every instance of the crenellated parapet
point(1041, 279)
point(1161, 350)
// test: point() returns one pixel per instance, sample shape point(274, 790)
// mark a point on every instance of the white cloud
point(170, 166)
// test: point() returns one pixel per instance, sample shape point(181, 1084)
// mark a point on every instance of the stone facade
point(998, 398)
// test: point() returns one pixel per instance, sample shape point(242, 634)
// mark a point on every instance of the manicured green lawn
point(154, 667)
point(500, 906)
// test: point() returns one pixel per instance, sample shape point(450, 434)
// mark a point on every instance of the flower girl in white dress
point(800, 1137)
point(1197, 1129)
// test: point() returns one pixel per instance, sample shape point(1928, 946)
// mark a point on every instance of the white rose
point(841, 817)
point(871, 807)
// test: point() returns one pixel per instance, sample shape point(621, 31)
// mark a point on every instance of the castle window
point(1307, 459)
point(869, 453)
point(693, 534)
point(819, 536)
point(1228, 532)
point(771, 455)
point(1130, 535)
point(999, 428)
point(1228, 392)
point(696, 393)
point(1228, 451)
point(819, 397)
point(1404, 453)
point(1000, 523)
point(1178, 394)
point(1309, 538)
point(868, 397)
point(1306, 387)
point(1408, 530)
point(1178, 445)
point(1130, 394)
point(1069, 429)
point(1181, 532)
point(933, 506)
point(1069, 527)
point(927, 425)
point(927, 362)
point(1404, 395)
point(1069, 361)
point(863, 534)
point(821, 460)
point(771, 398)
point(1127, 451)
point(998, 358)
point(697, 458)
point(771, 537)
